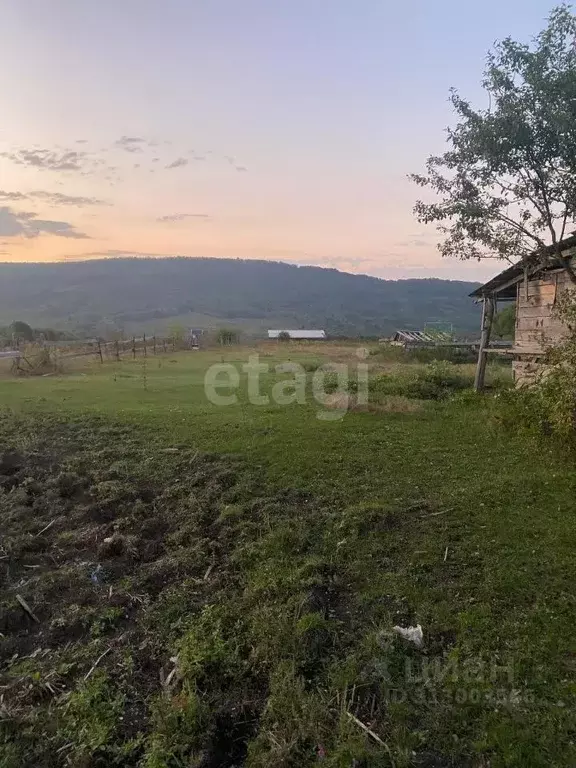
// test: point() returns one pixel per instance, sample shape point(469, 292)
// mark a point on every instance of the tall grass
point(436, 381)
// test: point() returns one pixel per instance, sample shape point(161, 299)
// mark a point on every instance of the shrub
point(436, 381)
point(392, 353)
point(39, 362)
point(450, 354)
point(331, 382)
point(548, 407)
point(227, 336)
point(22, 331)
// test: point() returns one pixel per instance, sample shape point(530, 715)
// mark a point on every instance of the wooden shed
point(300, 334)
point(535, 285)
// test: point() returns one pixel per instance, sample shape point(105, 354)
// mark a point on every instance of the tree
point(505, 322)
point(507, 184)
point(21, 330)
point(176, 333)
point(283, 336)
point(227, 336)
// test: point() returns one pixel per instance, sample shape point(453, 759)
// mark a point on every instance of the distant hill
point(150, 294)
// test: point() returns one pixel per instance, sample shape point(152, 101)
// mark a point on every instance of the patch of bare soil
point(108, 547)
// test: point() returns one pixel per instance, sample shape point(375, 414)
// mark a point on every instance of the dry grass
point(392, 404)
point(341, 401)
point(6, 366)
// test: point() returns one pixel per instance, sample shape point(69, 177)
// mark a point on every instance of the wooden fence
point(141, 346)
point(23, 360)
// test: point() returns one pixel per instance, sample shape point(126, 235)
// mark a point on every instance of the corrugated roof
point(422, 337)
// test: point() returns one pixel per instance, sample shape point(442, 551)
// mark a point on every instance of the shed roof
point(422, 337)
point(504, 284)
point(299, 334)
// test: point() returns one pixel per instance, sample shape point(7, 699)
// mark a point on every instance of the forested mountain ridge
point(133, 293)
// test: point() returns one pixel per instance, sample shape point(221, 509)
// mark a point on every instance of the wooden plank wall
point(537, 327)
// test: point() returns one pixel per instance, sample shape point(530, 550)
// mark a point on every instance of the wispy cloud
point(13, 195)
point(124, 141)
point(181, 216)
point(61, 160)
point(86, 160)
point(416, 243)
point(232, 161)
point(178, 163)
point(47, 159)
point(422, 240)
point(27, 224)
point(58, 198)
point(60, 228)
point(130, 143)
point(55, 198)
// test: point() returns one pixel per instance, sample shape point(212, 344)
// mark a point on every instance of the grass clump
point(91, 717)
point(435, 381)
point(178, 724)
point(398, 354)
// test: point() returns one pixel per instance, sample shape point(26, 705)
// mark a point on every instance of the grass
point(254, 560)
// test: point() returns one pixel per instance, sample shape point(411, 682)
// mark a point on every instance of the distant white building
point(300, 334)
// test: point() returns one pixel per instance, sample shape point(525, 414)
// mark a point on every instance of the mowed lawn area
point(210, 585)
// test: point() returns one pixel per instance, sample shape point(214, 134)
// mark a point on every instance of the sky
point(261, 129)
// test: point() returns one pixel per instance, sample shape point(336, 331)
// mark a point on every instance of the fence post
point(487, 318)
point(154, 344)
point(145, 348)
point(134, 347)
point(100, 351)
point(117, 350)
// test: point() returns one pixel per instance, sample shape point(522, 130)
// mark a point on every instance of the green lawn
point(331, 533)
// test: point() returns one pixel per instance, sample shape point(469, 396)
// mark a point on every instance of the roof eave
point(502, 283)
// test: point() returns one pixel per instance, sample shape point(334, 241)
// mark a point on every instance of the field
point(191, 584)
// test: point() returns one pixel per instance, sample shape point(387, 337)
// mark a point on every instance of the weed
point(90, 717)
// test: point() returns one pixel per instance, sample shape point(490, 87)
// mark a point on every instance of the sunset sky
point(276, 129)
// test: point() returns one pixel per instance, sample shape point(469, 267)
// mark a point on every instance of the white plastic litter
point(412, 634)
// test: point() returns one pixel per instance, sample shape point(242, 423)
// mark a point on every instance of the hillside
point(150, 294)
